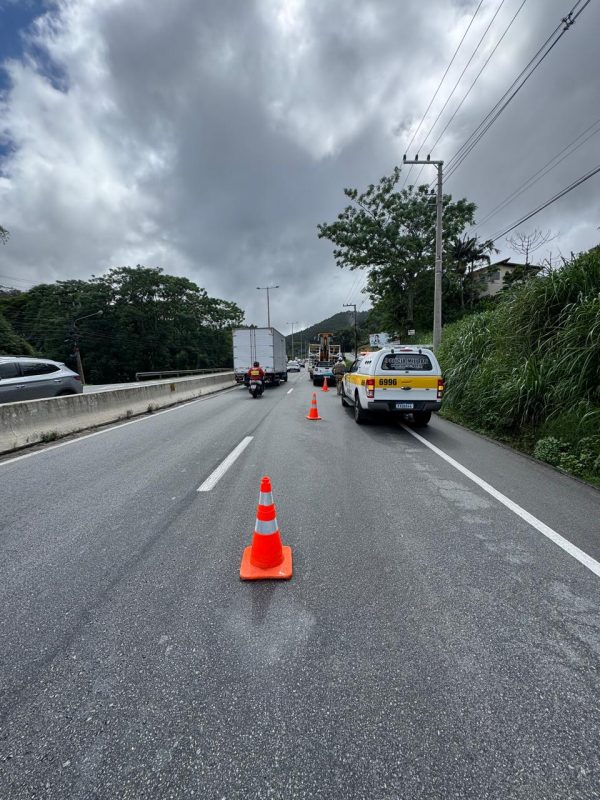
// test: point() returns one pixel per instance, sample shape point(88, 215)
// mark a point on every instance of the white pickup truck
point(322, 370)
point(399, 380)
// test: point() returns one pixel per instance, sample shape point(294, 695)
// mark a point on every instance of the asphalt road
point(431, 643)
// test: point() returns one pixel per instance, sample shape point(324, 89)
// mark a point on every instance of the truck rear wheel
point(421, 418)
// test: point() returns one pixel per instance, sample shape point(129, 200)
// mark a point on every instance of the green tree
point(150, 321)
point(10, 343)
point(465, 253)
point(391, 234)
point(4, 234)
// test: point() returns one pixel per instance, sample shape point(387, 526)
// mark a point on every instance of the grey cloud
point(225, 131)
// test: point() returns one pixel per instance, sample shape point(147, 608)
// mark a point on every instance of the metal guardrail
point(176, 373)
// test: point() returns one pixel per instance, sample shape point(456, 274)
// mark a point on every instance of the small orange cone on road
point(267, 557)
point(313, 413)
point(325, 386)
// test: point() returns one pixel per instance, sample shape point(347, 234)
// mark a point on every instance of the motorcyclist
point(339, 368)
point(256, 373)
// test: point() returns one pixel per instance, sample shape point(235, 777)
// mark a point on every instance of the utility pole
point(353, 305)
point(263, 288)
point(75, 334)
point(437, 291)
point(292, 324)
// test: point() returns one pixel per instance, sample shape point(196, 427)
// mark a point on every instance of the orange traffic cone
point(325, 387)
point(266, 558)
point(313, 413)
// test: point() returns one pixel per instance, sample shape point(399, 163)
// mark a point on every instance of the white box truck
point(265, 345)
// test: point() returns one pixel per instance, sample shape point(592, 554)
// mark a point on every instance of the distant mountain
point(339, 321)
point(341, 325)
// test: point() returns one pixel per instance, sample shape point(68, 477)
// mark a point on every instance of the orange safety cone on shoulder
point(313, 413)
point(267, 557)
point(325, 386)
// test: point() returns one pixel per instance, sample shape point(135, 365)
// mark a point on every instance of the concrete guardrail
point(33, 421)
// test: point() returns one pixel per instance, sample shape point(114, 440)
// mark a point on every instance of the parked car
point(24, 378)
point(293, 366)
point(399, 380)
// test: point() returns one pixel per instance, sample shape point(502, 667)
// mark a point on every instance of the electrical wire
point(353, 287)
point(435, 94)
point(18, 280)
point(549, 202)
point(543, 171)
point(486, 62)
point(475, 137)
point(460, 77)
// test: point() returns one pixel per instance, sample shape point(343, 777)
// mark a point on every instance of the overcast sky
point(210, 137)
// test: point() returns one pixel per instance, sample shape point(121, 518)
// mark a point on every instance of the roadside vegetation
point(527, 369)
point(389, 233)
point(131, 319)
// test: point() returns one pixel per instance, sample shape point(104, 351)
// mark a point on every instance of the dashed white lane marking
point(289, 391)
point(540, 526)
point(216, 476)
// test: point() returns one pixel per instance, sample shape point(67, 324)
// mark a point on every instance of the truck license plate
point(404, 405)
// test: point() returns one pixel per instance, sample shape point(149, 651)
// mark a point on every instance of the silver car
point(24, 378)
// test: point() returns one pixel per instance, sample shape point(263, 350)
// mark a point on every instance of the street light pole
point(262, 288)
point(292, 324)
point(353, 305)
point(437, 291)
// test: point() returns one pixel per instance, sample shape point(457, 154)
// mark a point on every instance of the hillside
point(341, 325)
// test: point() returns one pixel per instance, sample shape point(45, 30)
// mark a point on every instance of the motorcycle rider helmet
point(339, 358)
point(256, 364)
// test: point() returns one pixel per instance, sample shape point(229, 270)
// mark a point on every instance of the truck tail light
point(371, 387)
point(440, 389)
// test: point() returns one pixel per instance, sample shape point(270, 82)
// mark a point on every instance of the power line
point(353, 287)
point(549, 202)
point(468, 92)
point(506, 30)
point(460, 77)
point(471, 142)
point(414, 136)
point(544, 170)
point(19, 280)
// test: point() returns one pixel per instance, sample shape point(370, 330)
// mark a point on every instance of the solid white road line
point(555, 537)
point(179, 406)
point(289, 391)
point(216, 476)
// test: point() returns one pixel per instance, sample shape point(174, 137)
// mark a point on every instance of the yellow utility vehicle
point(400, 380)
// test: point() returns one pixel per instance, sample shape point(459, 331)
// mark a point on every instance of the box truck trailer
point(265, 345)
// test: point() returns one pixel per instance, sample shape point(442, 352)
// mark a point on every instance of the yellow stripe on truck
point(357, 379)
point(414, 381)
point(397, 381)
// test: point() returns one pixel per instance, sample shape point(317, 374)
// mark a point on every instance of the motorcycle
point(256, 388)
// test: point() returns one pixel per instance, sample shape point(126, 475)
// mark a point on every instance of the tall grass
point(533, 361)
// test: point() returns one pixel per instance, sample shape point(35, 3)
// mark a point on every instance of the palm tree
point(465, 253)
